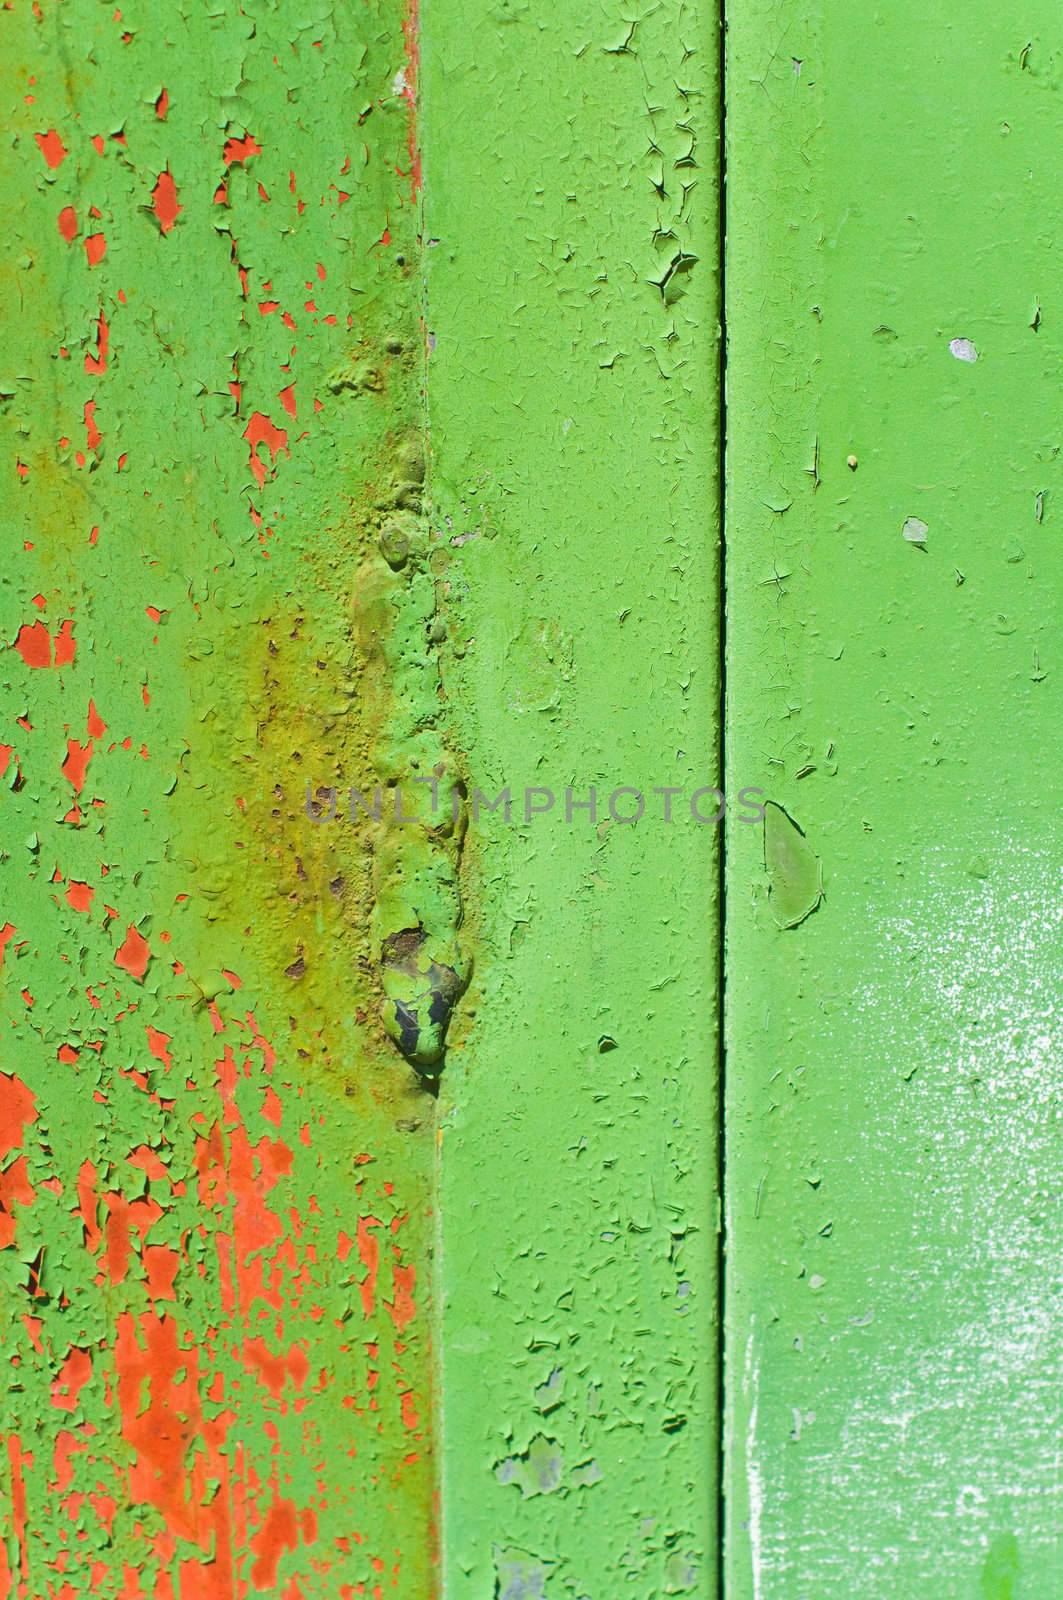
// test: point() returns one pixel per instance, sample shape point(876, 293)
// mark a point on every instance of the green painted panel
point(215, 1168)
point(894, 593)
point(316, 479)
point(571, 196)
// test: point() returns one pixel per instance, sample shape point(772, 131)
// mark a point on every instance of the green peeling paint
point(216, 1167)
point(795, 872)
point(572, 302)
point(363, 641)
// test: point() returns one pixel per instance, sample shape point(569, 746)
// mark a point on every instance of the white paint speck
point(915, 530)
point(963, 350)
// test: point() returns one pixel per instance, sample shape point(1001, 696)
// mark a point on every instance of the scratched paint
point(895, 582)
point(215, 1165)
point(571, 263)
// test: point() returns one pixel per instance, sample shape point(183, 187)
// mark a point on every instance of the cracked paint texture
point(572, 305)
point(215, 1229)
point(895, 583)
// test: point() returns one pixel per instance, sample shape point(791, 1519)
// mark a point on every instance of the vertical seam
point(721, 854)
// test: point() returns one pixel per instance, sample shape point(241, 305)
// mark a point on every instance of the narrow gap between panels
point(721, 852)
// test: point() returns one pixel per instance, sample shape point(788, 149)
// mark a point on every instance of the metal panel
point(894, 590)
point(571, 201)
point(216, 1166)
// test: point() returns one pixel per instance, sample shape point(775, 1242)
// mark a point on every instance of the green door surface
point(894, 950)
point(529, 857)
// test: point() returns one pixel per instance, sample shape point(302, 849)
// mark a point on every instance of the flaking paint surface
point(284, 521)
point(215, 1166)
point(894, 591)
point(572, 304)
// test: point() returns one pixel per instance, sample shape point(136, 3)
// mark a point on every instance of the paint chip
point(133, 954)
point(794, 870)
point(915, 530)
point(539, 1470)
point(963, 350)
point(51, 147)
point(164, 201)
